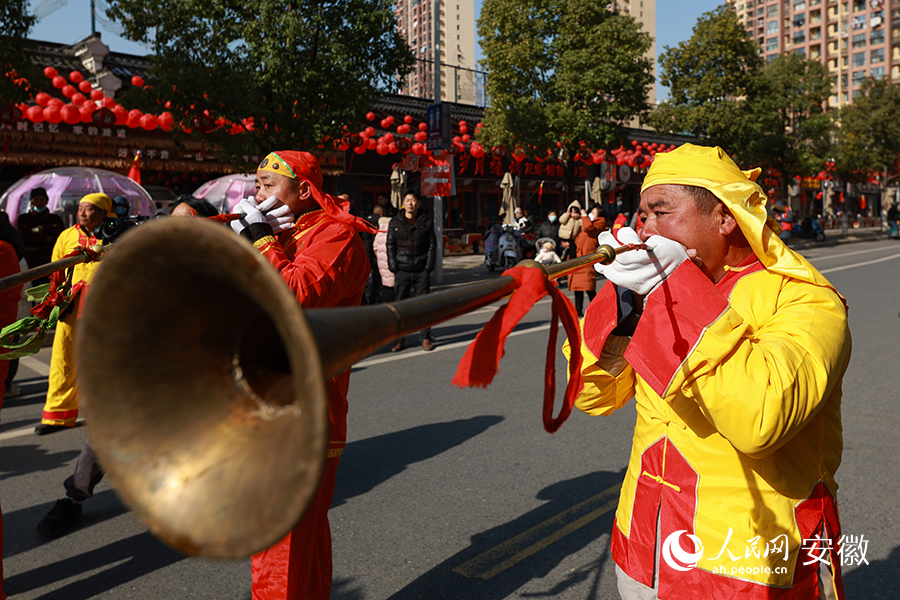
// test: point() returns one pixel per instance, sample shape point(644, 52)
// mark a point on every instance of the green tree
point(869, 135)
point(712, 78)
point(791, 131)
point(561, 72)
point(15, 61)
point(300, 70)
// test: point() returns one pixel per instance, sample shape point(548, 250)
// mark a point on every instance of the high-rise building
point(851, 38)
point(460, 80)
point(644, 12)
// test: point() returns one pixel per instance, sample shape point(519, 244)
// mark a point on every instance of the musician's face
point(669, 211)
point(295, 193)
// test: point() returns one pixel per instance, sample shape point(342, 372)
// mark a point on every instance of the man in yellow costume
point(734, 348)
point(61, 407)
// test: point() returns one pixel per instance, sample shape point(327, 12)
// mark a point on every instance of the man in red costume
point(311, 239)
point(9, 301)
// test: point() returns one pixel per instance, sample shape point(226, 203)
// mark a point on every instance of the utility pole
point(438, 200)
point(93, 19)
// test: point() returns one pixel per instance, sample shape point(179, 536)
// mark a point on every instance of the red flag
point(135, 172)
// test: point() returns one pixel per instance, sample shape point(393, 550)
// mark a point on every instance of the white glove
point(641, 271)
point(278, 215)
point(250, 214)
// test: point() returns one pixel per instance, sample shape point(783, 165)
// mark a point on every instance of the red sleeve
point(9, 299)
point(329, 267)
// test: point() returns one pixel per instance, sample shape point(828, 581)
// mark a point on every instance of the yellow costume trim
point(264, 241)
point(275, 164)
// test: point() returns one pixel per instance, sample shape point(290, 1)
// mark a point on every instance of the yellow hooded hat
point(99, 200)
point(713, 169)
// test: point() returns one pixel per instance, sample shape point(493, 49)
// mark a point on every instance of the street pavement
point(455, 494)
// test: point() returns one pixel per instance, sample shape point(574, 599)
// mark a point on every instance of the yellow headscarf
point(101, 201)
point(713, 169)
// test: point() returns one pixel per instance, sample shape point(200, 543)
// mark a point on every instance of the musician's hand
point(642, 271)
point(251, 214)
point(278, 215)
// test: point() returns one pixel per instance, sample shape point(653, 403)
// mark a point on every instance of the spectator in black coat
point(549, 229)
point(411, 252)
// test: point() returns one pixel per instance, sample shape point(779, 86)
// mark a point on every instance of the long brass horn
point(204, 384)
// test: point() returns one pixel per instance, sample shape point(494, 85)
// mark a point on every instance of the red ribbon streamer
point(60, 291)
point(482, 358)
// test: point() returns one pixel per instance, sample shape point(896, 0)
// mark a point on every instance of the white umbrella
point(66, 186)
point(224, 192)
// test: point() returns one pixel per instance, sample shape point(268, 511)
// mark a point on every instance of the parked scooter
point(503, 247)
point(809, 228)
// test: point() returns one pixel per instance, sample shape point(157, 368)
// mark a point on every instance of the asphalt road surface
point(446, 493)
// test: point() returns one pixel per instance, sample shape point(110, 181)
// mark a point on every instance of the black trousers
point(80, 485)
point(410, 285)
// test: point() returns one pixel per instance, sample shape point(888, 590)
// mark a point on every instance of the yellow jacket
point(738, 433)
point(69, 240)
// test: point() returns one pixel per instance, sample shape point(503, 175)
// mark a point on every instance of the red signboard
point(436, 174)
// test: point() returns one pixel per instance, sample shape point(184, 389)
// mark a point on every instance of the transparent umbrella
point(225, 192)
point(66, 186)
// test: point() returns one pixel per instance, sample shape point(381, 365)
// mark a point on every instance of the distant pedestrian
point(412, 251)
point(381, 257)
point(39, 229)
point(550, 229)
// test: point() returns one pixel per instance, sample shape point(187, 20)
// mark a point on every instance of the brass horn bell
point(202, 388)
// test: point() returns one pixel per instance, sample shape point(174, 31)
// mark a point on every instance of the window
point(859, 5)
point(876, 56)
point(877, 36)
point(772, 44)
point(859, 59)
point(858, 77)
point(799, 37)
point(800, 20)
point(878, 72)
point(799, 5)
point(859, 40)
point(843, 80)
point(771, 11)
point(772, 27)
point(771, 57)
point(800, 52)
point(858, 22)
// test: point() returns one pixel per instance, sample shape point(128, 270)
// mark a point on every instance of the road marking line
point(35, 365)
point(377, 361)
point(862, 264)
point(845, 254)
point(498, 559)
point(23, 431)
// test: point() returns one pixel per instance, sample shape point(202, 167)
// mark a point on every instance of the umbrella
point(225, 192)
point(398, 188)
point(66, 186)
point(509, 203)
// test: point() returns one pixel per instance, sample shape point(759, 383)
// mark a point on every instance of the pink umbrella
point(225, 192)
point(66, 186)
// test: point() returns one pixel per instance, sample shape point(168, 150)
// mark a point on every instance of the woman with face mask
point(549, 229)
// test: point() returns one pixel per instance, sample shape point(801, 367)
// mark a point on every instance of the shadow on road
point(876, 580)
point(118, 563)
point(26, 459)
point(489, 556)
point(370, 462)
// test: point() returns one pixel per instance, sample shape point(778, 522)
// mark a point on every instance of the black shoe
point(45, 428)
point(61, 517)
point(399, 345)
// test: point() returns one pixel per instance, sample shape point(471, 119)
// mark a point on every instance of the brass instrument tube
point(42, 270)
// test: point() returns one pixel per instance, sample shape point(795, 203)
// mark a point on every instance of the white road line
point(35, 365)
point(862, 264)
point(438, 348)
point(845, 254)
point(22, 432)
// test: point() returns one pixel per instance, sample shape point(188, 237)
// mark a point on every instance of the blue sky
point(71, 22)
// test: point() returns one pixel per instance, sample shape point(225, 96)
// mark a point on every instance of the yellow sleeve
point(603, 392)
point(758, 387)
point(64, 243)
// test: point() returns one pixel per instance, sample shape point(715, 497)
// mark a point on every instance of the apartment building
point(460, 80)
point(852, 38)
point(644, 12)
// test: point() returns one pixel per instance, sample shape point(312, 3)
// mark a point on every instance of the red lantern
point(204, 122)
point(85, 87)
point(50, 72)
point(418, 149)
point(70, 114)
point(423, 127)
point(149, 122)
point(42, 98)
point(137, 81)
point(638, 160)
point(35, 114)
point(121, 114)
point(388, 138)
point(59, 82)
point(371, 143)
point(498, 151)
point(370, 131)
point(87, 111)
point(420, 136)
point(78, 99)
point(360, 149)
point(69, 90)
point(9, 114)
point(381, 149)
point(392, 148)
point(477, 150)
point(97, 95)
point(385, 123)
point(354, 140)
point(52, 114)
point(407, 119)
point(370, 116)
point(404, 144)
point(166, 120)
point(108, 102)
point(76, 77)
point(55, 102)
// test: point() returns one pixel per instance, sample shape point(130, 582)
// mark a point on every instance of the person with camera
point(61, 406)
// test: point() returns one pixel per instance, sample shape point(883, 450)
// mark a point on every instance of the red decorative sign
point(436, 174)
